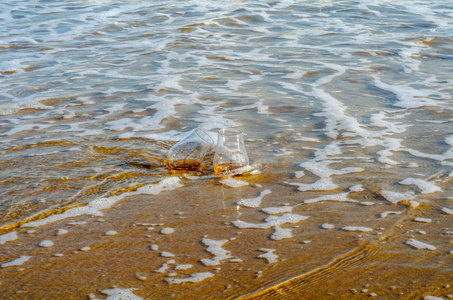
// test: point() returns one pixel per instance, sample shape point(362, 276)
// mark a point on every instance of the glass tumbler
point(188, 154)
point(230, 153)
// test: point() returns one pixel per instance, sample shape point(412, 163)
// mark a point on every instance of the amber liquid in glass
point(185, 165)
point(226, 167)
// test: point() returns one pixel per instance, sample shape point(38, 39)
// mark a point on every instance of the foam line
point(95, 207)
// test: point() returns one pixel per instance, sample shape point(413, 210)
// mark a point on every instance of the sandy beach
point(346, 109)
point(185, 242)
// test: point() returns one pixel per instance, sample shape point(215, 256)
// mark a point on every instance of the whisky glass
point(230, 153)
point(188, 154)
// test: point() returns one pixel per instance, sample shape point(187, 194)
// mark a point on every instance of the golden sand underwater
point(188, 240)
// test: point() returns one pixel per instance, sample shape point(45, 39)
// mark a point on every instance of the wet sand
point(347, 112)
point(157, 233)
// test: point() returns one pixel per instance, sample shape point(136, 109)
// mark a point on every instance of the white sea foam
point(61, 232)
point(166, 184)
point(254, 202)
point(419, 245)
point(281, 233)
point(165, 266)
point(413, 203)
point(387, 213)
point(16, 262)
point(284, 152)
point(94, 208)
point(442, 158)
point(323, 184)
point(167, 230)
point(336, 119)
point(433, 298)
point(235, 84)
point(166, 254)
point(357, 228)
point(321, 169)
point(183, 267)
point(365, 5)
point(343, 197)
point(46, 244)
point(195, 277)
point(426, 12)
point(409, 97)
point(234, 183)
point(423, 220)
point(299, 174)
point(307, 139)
point(110, 233)
point(8, 237)
point(426, 187)
point(272, 221)
point(269, 255)
point(395, 197)
point(356, 188)
point(277, 210)
point(121, 294)
point(391, 145)
point(215, 248)
point(327, 226)
point(447, 210)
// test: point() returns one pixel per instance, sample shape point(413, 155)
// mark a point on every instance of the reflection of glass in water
point(188, 154)
point(230, 153)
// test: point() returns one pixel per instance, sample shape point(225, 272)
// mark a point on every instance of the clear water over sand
point(347, 108)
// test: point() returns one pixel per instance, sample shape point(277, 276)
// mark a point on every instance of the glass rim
point(204, 135)
point(230, 131)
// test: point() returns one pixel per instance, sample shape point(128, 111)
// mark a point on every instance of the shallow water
point(347, 108)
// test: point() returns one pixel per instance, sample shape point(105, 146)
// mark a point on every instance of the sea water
point(346, 101)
